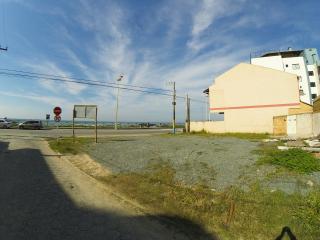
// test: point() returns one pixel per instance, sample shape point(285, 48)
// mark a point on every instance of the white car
point(4, 123)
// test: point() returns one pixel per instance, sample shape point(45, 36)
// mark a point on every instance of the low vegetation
point(256, 213)
point(69, 145)
point(250, 136)
point(231, 214)
point(294, 159)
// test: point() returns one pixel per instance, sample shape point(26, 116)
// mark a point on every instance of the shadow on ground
point(34, 206)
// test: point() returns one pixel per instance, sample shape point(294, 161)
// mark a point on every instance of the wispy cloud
point(190, 42)
point(207, 15)
point(49, 67)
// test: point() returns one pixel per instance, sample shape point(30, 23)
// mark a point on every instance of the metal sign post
point(87, 112)
point(57, 118)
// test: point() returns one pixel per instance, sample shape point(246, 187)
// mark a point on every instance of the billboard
point(85, 111)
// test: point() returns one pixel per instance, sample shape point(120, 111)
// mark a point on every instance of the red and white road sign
point(57, 111)
point(57, 118)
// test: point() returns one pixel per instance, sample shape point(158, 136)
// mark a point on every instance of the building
point(304, 63)
point(249, 96)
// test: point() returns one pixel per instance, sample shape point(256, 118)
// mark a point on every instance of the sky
point(151, 42)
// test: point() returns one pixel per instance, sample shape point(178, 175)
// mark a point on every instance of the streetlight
point(117, 105)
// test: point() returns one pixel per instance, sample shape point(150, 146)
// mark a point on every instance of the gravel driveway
point(215, 161)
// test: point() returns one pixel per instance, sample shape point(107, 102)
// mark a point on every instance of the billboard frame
point(74, 116)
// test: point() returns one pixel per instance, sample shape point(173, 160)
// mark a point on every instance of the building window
point(312, 84)
point(311, 73)
point(301, 93)
point(295, 66)
point(287, 65)
point(314, 96)
point(217, 116)
point(300, 78)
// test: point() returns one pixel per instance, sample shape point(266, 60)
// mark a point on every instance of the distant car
point(32, 124)
point(4, 123)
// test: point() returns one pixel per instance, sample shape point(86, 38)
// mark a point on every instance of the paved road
point(43, 196)
point(79, 132)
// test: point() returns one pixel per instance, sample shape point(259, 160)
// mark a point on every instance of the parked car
point(4, 123)
point(32, 124)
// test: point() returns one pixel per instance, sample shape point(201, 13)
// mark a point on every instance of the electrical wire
point(4, 33)
point(50, 77)
point(83, 79)
point(81, 82)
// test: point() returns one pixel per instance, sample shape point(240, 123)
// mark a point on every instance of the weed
point(258, 214)
point(294, 159)
point(68, 145)
point(250, 136)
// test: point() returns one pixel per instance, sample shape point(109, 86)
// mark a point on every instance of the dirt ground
point(44, 196)
point(219, 162)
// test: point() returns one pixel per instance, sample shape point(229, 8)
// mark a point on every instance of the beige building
point(249, 96)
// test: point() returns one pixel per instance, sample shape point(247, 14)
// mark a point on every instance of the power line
point(4, 33)
point(50, 77)
point(83, 79)
point(81, 82)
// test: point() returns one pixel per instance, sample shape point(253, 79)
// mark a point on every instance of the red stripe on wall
point(257, 106)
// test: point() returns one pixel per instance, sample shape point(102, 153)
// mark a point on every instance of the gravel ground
point(217, 162)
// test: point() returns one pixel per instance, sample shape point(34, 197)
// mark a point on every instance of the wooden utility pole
point(73, 116)
point(174, 109)
point(96, 126)
point(187, 114)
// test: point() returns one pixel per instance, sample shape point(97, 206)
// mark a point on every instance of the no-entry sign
point(57, 111)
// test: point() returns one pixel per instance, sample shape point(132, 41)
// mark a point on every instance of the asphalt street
point(80, 132)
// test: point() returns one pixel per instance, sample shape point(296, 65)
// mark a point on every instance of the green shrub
point(294, 159)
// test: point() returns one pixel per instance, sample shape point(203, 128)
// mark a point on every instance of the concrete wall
point(286, 65)
point(274, 62)
point(307, 125)
point(304, 125)
point(301, 72)
point(208, 126)
point(316, 124)
point(316, 105)
point(253, 120)
point(250, 96)
point(303, 108)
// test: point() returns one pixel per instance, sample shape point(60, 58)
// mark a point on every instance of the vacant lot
point(216, 162)
point(223, 183)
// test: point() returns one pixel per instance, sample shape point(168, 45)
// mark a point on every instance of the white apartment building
point(314, 80)
point(303, 63)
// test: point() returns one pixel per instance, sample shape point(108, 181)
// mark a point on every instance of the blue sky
point(152, 42)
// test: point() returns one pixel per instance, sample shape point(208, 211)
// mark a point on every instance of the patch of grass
point(250, 136)
point(258, 214)
point(68, 146)
point(308, 217)
point(294, 159)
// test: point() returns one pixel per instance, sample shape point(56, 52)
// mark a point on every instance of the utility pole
point(174, 109)
point(117, 104)
point(187, 114)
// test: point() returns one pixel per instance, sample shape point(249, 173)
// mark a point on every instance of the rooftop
point(284, 54)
